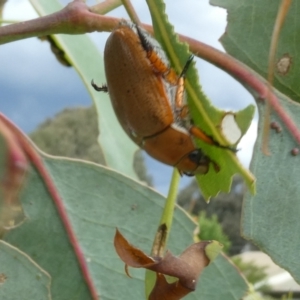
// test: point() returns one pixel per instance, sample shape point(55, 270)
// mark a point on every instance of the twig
point(131, 12)
point(75, 18)
point(281, 16)
point(105, 6)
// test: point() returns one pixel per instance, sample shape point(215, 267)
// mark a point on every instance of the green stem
point(105, 6)
point(166, 220)
point(163, 230)
point(131, 11)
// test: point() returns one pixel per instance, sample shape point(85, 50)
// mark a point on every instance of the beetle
point(148, 98)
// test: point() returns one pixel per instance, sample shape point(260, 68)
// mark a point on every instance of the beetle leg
point(186, 66)
point(182, 110)
point(102, 88)
point(180, 106)
point(198, 133)
point(157, 63)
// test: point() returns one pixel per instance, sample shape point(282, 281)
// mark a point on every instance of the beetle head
point(201, 161)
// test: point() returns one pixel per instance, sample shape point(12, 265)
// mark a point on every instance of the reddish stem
point(75, 18)
point(248, 78)
point(36, 160)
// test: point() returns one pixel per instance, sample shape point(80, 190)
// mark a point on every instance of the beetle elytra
point(149, 100)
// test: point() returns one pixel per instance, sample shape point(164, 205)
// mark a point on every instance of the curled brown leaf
point(131, 255)
point(187, 267)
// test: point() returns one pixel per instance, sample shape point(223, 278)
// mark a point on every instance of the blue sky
point(34, 86)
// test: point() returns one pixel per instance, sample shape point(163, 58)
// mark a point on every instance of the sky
point(34, 86)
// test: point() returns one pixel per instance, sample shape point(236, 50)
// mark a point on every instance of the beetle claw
point(186, 66)
point(181, 173)
point(102, 88)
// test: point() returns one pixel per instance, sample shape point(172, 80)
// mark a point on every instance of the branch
point(75, 18)
point(248, 78)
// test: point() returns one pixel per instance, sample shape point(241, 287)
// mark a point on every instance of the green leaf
point(21, 277)
point(205, 115)
point(97, 201)
point(219, 282)
point(43, 238)
point(271, 218)
point(81, 52)
point(248, 38)
point(244, 117)
point(213, 250)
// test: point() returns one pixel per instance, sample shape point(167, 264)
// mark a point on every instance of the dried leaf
point(131, 255)
point(187, 267)
point(167, 291)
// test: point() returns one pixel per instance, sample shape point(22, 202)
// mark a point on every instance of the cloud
point(18, 10)
point(34, 85)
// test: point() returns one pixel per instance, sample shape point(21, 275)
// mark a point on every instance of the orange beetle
point(149, 99)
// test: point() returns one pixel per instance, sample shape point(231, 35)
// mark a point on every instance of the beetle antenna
point(186, 66)
point(102, 88)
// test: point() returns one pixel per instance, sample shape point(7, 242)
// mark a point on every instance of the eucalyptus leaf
point(248, 38)
point(98, 201)
point(271, 218)
point(21, 277)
